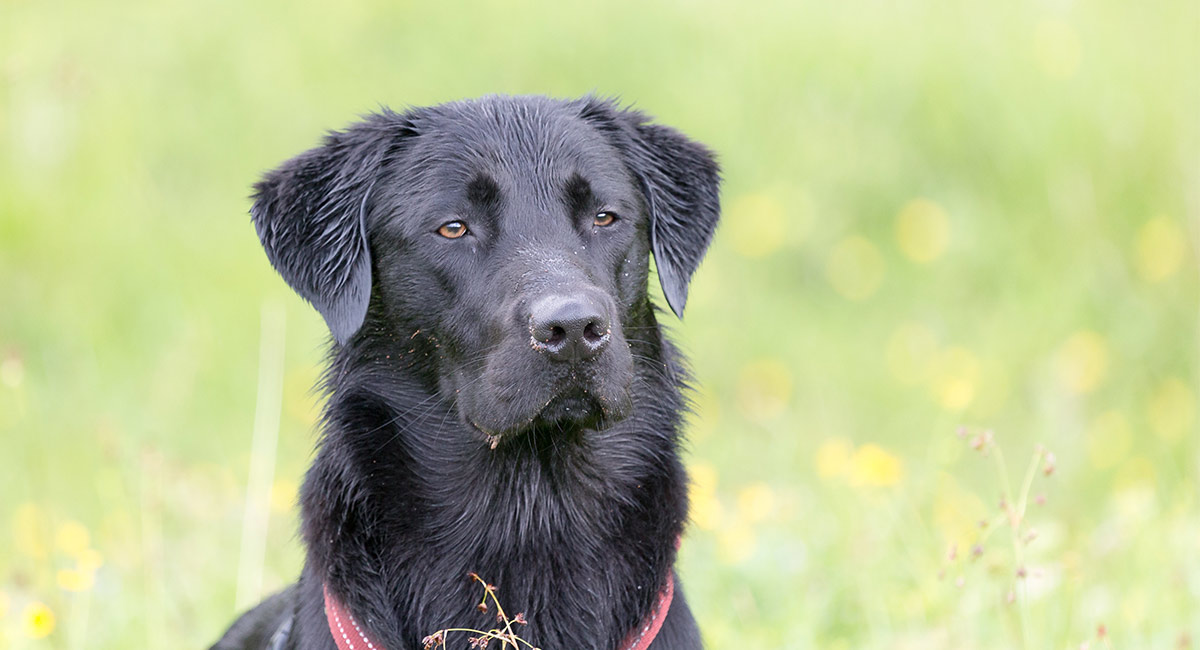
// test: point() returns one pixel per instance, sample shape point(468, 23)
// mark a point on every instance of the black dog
point(502, 399)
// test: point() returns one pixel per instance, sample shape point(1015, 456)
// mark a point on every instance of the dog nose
point(568, 328)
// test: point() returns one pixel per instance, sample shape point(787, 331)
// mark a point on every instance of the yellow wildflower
point(37, 621)
point(872, 466)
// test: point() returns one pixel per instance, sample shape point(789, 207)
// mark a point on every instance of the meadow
point(945, 342)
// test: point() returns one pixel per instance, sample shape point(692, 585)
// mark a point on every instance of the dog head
point(508, 236)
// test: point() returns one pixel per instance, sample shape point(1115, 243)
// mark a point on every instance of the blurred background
point(952, 232)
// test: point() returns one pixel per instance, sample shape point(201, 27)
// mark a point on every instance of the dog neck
point(578, 532)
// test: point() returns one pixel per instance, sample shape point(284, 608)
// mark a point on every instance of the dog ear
point(310, 216)
point(681, 181)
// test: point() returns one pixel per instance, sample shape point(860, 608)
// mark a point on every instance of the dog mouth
point(567, 413)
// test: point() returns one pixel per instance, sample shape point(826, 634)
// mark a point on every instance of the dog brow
point(483, 191)
point(578, 194)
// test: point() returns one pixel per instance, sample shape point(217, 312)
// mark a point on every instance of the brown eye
point(452, 229)
point(604, 219)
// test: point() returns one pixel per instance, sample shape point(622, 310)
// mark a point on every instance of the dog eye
point(452, 229)
point(603, 219)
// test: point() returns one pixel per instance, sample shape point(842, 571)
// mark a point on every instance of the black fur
point(450, 443)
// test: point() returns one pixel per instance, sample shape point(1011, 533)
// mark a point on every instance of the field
point(956, 282)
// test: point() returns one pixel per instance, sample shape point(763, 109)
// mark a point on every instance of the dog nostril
point(557, 336)
point(593, 333)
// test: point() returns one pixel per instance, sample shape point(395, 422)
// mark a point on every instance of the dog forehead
point(513, 140)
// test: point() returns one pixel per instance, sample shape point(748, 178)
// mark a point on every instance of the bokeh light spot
point(75, 579)
point(72, 538)
point(855, 268)
point(873, 466)
point(922, 230)
point(756, 502)
point(1159, 249)
point(737, 544)
point(757, 225)
point(1171, 410)
point(1082, 362)
point(955, 378)
point(28, 527)
point(764, 388)
point(833, 457)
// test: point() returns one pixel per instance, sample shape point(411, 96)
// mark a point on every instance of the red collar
point(349, 635)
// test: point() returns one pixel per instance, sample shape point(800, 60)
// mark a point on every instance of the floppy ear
point(310, 212)
point(681, 181)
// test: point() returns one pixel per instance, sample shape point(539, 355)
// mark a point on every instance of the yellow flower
point(75, 579)
point(37, 621)
point(1082, 362)
point(855, 268)
point(1057, 48)
point(755, 502)
point(833, 457)
point(1171, 410)
point(764, 388)
point(872, 466)
point(1160, 249)
point(922, 230)
point(72, 538)
point(757, 225)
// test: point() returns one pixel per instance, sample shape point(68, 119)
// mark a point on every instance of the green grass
point(1056, 141)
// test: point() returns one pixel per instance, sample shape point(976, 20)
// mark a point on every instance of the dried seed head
point(481, 607)
point(519, 619)
point(1050, 463)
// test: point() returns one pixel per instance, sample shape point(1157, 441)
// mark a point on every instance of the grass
point(936, 216)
